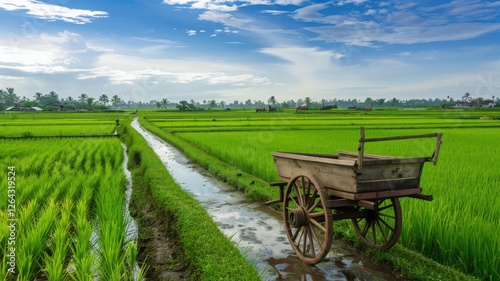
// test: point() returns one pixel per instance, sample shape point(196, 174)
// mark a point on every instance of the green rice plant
point(26, 214)
point(112, 225)
point(83, 258)
point(55, 263)
point(4, 247)
point(133, 272)
point(64, 130)
point(33, 242)
point(49, 180)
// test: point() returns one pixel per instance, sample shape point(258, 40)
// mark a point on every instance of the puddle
point(256, 229)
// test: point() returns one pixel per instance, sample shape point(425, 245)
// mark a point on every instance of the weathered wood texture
point(380, 173)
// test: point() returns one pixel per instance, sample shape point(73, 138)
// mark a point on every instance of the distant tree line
point(51, 101)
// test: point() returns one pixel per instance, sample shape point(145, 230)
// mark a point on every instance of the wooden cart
point(362, 187)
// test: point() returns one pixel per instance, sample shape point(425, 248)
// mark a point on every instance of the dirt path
point(256, 229)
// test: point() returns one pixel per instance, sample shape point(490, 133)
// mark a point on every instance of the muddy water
point(258, 230)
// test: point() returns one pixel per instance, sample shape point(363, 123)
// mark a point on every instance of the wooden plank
point(375, 194)
point(393, 171)
point(400, 137)
point(347, 155)
point(423, 197)
point(338, 203)
point(273, 201)
point(366, 204)
point(387, 180)
point(391, 161)
point(395, 184)
point(313, 158)
point(280, 184)
point(361, 149)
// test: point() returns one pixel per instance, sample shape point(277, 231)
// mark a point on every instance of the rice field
point(58, 124)
point(63, 206)
point(459, 228)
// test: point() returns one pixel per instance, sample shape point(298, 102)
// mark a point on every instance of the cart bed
point(341, 172)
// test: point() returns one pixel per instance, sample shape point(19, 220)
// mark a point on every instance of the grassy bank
point(208, 252)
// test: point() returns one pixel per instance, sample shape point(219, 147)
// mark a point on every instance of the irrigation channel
point(257, 229)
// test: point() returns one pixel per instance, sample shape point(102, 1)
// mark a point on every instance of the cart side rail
point(362, 141)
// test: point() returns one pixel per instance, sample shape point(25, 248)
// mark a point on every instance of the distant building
point(13, 108)
point(489, 103)
point(475, 103)
point(18, 108)
point(463, 104)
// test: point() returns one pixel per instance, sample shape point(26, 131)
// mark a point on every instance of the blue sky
point(252, 49)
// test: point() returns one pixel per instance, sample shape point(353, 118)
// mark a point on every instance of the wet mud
point(257, 229)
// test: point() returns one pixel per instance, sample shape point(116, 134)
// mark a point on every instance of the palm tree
point(89, 103)
point(83, 98)
point(480, 102)
point(213, 103)
point(52, 97)
point(10, 97)
point(38, 97)
point(165, 103)
point(308, 101)
point(272, 101)
point(466, 97)
point(183, 105)
point(103, 99)
point(158, 104)
point(115, 100)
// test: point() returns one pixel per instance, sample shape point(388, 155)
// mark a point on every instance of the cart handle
point(362, 141)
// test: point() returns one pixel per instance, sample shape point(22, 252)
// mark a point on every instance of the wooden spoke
point(380, 228)
point(308, 221)
point(382, 231)
point(318, 225)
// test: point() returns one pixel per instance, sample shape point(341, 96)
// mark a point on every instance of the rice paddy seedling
point(112, 227)
point(32, 243)
point(83, 258)
point(54, 240)
point(64, 130)
point(55, 263)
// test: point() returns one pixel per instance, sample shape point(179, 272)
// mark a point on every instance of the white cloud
point(274, 12)
point(401, 27)
point(355, 2)
point(224, 18)
point(191, 32)
point(213, 6)
point(289, 2)
point(370, 12)
point(129, 70)
point(229, 5)
point(52, 12)
point(46, 52)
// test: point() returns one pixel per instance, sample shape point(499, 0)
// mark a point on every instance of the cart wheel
point(308, 221)
point(380, 228)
